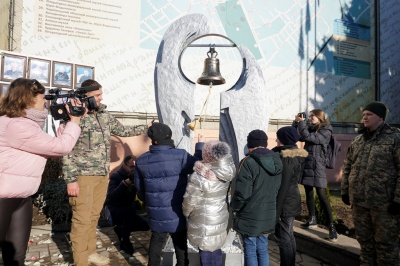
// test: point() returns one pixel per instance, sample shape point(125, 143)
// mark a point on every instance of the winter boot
point(311, 223)
point(332, 233)
point(118, 232)
point(127, 246)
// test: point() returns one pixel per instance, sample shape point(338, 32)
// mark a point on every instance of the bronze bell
point(211, 74)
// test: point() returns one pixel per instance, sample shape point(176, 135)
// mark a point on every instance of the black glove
point(346, 199)
point(394, 208)
point(131, 177)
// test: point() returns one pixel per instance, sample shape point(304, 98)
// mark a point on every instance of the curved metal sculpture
point(243, 107)
point(174, 93)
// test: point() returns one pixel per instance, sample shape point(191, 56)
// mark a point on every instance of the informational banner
point(85, 19)
point(313, 54)
point(352, 50)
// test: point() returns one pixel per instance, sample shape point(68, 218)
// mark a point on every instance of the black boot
point(311, 223)
point(332, 233)
point(118, 232)
point(127, 246)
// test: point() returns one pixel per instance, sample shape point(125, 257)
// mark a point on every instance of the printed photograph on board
point(13, 66)
point(83, 73)
point(3, 89)
point(39, 69)
point(62, 75)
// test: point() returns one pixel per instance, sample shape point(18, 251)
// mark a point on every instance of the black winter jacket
point(289, 199)
point(256, 186)
point(118, 194)
point(316, 143)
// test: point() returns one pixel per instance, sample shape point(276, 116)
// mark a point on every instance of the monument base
point(232, 252)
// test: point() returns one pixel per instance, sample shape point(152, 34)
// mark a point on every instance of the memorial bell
point(211, 74)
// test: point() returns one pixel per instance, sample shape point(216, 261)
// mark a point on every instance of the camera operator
point(24, 149)
point(121, 196)
point(86, 170)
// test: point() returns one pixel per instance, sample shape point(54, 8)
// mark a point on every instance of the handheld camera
point(58, 110)
point(302, 115)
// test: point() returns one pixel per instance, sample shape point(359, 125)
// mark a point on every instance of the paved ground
point(47, 248)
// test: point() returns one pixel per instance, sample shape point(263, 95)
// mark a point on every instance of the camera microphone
point(87, 89)
point(50, 97)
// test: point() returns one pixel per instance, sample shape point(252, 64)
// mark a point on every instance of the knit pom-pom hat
point(214, 150)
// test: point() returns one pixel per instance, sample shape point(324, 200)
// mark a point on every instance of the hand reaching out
point(201, 138)
point(150, 124)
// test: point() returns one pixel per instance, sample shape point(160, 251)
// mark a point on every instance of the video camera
point(58, 110)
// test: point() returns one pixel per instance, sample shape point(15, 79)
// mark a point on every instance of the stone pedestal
point(232, 252)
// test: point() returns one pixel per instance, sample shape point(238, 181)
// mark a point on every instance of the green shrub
point(52, 197)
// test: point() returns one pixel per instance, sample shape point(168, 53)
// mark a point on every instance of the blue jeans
point(210, 258)
point(255, 250)
point(284, 237)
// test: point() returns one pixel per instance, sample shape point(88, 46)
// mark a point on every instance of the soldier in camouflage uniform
point(371, 183)
point(86, 170)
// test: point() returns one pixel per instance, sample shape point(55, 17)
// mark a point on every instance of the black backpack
point(333, 148)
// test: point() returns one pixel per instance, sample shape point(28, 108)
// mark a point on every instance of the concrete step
point(314, 242)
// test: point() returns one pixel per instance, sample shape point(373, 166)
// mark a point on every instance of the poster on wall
point(83, 73)
point(3, 89)
point(62, 75)
point(13, 66)
point(39, 69)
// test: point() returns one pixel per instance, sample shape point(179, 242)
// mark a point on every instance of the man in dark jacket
point(161, 176)
point(254, 197)
point(121, 196)
point(289, 199)
point(371, 183)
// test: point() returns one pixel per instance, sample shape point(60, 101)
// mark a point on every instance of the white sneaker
point(98, 259)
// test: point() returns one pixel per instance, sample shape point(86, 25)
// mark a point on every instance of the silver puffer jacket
point(205, 203)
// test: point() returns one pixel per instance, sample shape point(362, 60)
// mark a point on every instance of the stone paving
point(48, 248)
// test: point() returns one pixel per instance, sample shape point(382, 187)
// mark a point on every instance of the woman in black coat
point(316, 137)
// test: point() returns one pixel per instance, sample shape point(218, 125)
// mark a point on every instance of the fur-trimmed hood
point(294, 153)
point(223, 169)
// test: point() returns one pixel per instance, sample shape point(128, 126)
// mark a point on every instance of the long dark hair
point(320, 114)
point(20, 96)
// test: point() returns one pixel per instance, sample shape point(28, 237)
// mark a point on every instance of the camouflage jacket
point(91, 154)
point(371, 169)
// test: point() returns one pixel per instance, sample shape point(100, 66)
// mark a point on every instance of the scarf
point(37, 116)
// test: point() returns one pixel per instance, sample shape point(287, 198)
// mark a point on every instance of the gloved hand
point(346, 199)
point(394, 208)
point(131, 177)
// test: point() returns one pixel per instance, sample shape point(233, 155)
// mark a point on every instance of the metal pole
point(11, 25)
point(377, 50)
point(212, 45)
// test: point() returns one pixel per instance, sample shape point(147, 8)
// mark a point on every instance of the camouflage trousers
point(378, 235)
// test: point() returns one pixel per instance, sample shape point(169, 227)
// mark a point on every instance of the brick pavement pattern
point(54, 249)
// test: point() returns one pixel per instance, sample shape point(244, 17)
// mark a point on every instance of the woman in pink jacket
point(24, 149)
